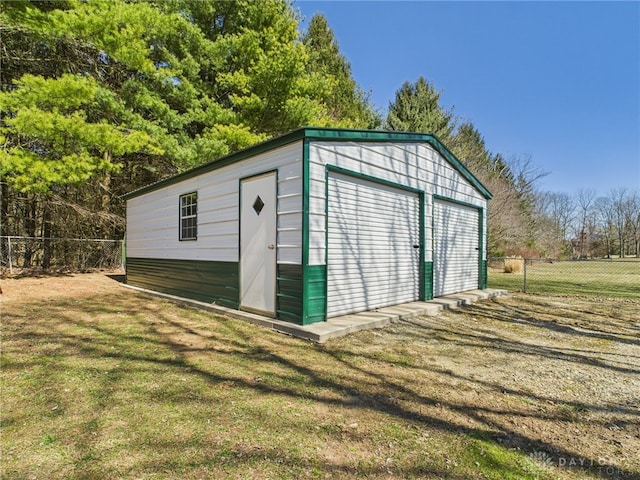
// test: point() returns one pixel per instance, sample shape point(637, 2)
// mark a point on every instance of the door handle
point(271, 247)
point(416, 246)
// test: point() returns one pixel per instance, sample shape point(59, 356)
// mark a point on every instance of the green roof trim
point(317, 133)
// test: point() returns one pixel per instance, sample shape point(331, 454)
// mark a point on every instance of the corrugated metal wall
point(456, 248)
point(415, 165)
point(373, 245)
point(152, 218)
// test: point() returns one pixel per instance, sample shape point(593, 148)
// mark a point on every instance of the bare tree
point(606, 222)
point(632, 221)
point(584, 200)
point(560, 209)
point(619, 198)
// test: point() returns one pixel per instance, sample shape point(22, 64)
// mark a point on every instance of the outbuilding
point(313, 224)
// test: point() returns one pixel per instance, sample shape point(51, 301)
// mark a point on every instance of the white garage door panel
point(456, 242)
point(372, 230)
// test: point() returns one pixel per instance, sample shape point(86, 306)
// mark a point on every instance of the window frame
point(186, 216)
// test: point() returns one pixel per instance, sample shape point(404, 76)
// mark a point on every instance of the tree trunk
point(46, 234)
point(4, 221)
point(30, 226)
point(105, 204)
point(621, 240)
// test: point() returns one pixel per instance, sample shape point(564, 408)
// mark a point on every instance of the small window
point(189, 216)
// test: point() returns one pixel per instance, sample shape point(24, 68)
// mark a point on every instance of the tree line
point(586, 225)
point(101, 97)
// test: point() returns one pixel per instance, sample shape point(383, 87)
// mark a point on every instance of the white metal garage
point(373, 254)
point(317, 223)
point(456, 236)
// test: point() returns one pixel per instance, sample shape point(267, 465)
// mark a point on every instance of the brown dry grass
point(513, 265)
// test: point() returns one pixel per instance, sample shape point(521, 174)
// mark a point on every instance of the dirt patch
point(556, 376)
point(70, 285)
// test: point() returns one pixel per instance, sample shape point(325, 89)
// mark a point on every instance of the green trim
point(482, 264)
point(289, 294)
point(314, 277)
point(326, 237)
point(313, 133)
point(316, 294)
point(370, 178)
point(347, 134)
point(206, 281)
point(428, 281)
point(123, 253)
point(458, 202)
point(482, 275)
point(423, 295)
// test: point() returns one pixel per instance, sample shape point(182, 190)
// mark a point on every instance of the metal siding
point(428, 280)
point(413, 164)
point(214, 282)
point(417, 165)
point(152, 218)
point(456, 248)
point(316, 294)
point(372, 230)
point(289, 293)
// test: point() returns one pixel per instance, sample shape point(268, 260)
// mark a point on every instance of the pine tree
point(416, 108)
point(346, 102)
point(102, 97)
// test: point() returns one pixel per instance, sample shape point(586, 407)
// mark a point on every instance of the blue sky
point(558, 82)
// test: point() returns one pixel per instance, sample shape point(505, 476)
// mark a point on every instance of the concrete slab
point(343, 325)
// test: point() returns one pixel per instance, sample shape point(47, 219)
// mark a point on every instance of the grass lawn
point(99, 381)
point(618, 278)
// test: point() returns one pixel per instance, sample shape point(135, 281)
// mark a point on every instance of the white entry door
point(258, 243)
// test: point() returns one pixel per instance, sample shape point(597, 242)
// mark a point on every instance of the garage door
point(373, 257)
point(455, 248)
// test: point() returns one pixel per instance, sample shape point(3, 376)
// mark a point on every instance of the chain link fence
point(614, 278)
point(20, 255)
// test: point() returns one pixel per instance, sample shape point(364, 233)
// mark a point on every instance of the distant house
point(314, 224)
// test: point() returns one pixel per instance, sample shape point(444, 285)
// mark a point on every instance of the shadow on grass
point(537, 314)
point(138, 340)
point(120, 278)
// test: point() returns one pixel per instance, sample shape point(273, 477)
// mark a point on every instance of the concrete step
point(339, 326)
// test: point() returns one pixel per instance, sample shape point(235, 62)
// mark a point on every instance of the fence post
point(123, 251)
point(10, 254)
point(525, 275)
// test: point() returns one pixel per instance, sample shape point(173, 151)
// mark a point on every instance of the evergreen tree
point(468, 145)
point(416, 108)
point(101, 97)
point(64, 130)
point(346, 102)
